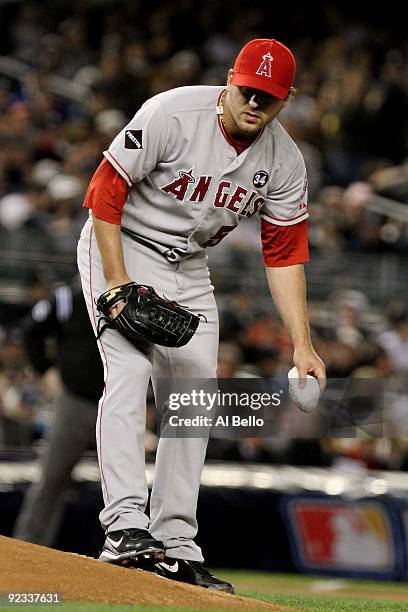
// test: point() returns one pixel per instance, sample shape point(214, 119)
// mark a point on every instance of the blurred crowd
point(71, 76)
point(349, 117)
point(357, 345)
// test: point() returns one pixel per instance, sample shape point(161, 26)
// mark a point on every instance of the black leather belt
point(169, 254)
point(140, 240)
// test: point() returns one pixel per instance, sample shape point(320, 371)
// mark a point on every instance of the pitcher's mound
point(27, 567)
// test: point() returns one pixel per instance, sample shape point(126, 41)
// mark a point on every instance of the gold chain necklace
point(220, 107)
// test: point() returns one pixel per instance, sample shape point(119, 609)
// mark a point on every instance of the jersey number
point(222, 232)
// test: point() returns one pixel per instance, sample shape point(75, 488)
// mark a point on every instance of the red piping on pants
point(101, 401)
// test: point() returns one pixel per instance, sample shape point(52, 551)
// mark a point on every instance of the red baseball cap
point(265, 64)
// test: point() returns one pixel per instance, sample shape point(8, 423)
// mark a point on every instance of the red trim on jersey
point(120, 166)
point(238, 145)
point(264, 212)
point(284, 245)
point(107, 193)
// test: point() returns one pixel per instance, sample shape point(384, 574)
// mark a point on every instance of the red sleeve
point(284, 245)
point(107, 193)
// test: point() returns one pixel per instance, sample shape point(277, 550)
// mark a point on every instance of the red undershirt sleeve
point(284, 245)
point(107, 193)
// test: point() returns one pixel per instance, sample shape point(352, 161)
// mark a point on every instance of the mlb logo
point(341, 537)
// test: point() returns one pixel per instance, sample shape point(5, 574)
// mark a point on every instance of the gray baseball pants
point(122, 408)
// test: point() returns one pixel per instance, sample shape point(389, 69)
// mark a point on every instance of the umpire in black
point(63, 318)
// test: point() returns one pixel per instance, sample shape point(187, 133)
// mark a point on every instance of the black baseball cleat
point(132, 548)
point(192, 572)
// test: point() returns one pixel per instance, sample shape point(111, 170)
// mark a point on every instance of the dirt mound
point(27, 567)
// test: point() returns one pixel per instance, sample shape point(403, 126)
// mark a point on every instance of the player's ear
point(291, 94)
point(230, 75)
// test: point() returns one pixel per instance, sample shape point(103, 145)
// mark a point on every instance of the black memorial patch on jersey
point(260, 178)
point(133, 139)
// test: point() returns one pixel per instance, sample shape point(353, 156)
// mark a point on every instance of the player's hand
point(307, 362)
point(111, 284)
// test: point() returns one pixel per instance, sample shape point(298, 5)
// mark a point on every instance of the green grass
point(275, 588)
point(93, 607)
point(284, 589)
point(265, 579)
point(301, 602)
point(307, 603)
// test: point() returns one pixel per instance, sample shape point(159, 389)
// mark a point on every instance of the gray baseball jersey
point(188, 187)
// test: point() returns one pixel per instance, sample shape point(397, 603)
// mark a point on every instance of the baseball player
point(192, 164)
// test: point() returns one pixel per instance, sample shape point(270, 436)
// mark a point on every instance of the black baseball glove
point(146, 316)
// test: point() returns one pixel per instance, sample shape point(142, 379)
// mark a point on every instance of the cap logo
point(265, 67)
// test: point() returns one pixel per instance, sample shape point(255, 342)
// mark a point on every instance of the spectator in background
point(65, 194)
point(77, 371)
point(24, 220)
point(229, 360)
point(19, 394)
point(395, 340)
